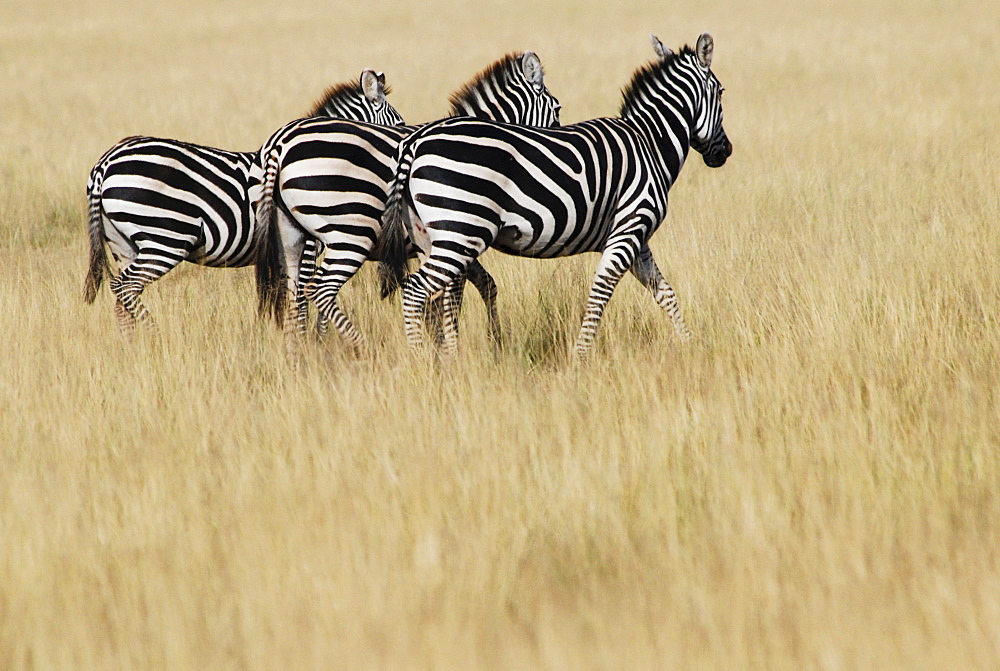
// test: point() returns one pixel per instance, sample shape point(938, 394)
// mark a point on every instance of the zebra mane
point(647, 75)
point(502, 71)
point(346, 92)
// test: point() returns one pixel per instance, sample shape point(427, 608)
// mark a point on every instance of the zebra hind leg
point(147, 267)
point(417, 290)
point(127, 288)
point(649, 275)
point(126, 322)
point(443, 313)
point(433, 313)
point(307, 271)
point(451, 305)
point(323, 291)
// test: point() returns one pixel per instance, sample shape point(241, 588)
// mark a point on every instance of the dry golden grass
point(814, 483)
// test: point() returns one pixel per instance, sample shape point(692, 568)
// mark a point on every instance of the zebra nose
point(728, 148)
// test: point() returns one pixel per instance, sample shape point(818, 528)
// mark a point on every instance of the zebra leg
point(433, 312)
point(645, 270)
point(616, 259)
point(127, 286)
point(348, 244)
point(443, 313)
point(418, 288)
point(307, 270)
point(414, 303)
point(292, 241)
point(487, 288)
point(322, 291)
point(126, 322)
point(292, 326)
point(451, 305)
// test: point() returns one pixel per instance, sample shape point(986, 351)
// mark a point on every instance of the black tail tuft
point(269, 259)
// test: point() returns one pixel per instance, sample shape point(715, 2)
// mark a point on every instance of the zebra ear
point(373, 85)
point(531, 65)
point(706, 45)
point(662, 51)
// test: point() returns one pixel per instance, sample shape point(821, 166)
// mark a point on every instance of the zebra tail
point(269, 259)
point(391, 249)
point(98, 254)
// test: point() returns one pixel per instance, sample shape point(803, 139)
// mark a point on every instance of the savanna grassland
point(813, 483)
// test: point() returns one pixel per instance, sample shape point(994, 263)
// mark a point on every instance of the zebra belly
point(225, 260)
point(520, 238)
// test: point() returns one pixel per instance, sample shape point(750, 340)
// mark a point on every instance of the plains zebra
point(157, 202)
point(596, 186)
point(329, 180)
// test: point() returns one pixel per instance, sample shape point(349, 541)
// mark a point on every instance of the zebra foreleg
point(616, 259)
point(645, 270)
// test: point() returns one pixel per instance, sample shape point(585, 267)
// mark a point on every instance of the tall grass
point(814, 482)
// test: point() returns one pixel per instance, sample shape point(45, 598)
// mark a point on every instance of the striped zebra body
point(467, 185)
point(329, 180)
point(156, 202)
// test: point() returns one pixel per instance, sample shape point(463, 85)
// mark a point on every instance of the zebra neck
point(665, 119)
point(485, 96)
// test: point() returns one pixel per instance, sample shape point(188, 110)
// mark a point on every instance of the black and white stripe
point(597, 186)
point(328, 180)
point(156, 202)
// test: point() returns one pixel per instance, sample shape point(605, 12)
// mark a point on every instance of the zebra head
point(511, 90)
point(362, 101)
point(708, 137)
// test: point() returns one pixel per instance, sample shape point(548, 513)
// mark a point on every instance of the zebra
point(597, 186)
point(156, 202)
point(329, 179)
